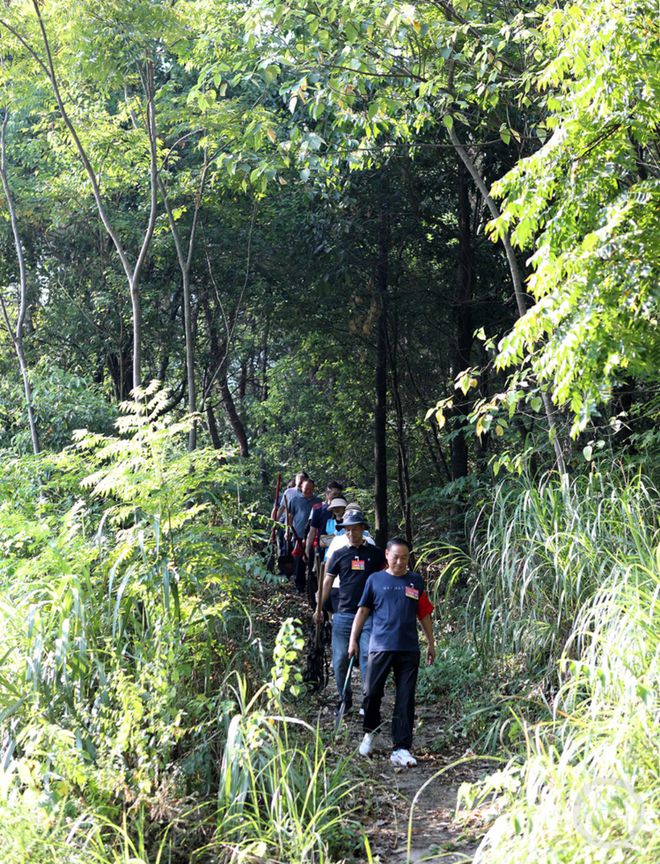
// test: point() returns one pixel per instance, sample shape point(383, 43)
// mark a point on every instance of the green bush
point(121, 563)
point(63, 402)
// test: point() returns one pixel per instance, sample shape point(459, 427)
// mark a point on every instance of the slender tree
point(133, 269)
point(16, 332)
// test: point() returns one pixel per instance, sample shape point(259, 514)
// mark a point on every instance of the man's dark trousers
point(300, 573)
point(405, 665)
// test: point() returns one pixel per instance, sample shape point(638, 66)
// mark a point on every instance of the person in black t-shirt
point(353, 565)
point(320, 517)
point(393, 600)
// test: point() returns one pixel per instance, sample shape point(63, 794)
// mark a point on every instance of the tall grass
point(281, 797)
point(544, 551)
point(587, 786)
point(121, 564)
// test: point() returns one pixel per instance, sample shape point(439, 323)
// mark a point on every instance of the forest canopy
point(412, 247)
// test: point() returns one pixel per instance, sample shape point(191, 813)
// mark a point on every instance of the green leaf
point(271, 73)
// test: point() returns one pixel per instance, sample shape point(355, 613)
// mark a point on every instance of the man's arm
point(311, 534)
point(358, 623)
point(324, 594)
point(427, 627)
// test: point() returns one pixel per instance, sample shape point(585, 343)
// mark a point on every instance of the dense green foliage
point(587, 201)
point(127, 652)
point(409, 246)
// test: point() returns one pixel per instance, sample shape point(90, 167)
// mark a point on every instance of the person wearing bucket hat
point(352, 565)
point(340, 539)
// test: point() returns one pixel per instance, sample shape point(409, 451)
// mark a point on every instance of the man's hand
point(430, 653)
point(317, 617)
point(352, 648)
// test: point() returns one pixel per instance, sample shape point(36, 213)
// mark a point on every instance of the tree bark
point(185, 262)
point(403, 474)
point(264, 365)
point(132, 272)
point(213, 427)
point(218, 359)
point(515, 278)
point(380, 408)
point(462, 315)
point(232, 414)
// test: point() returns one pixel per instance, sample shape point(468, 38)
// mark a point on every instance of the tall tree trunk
point(403, 474)
point(218, 360)
point(185, 262)
point(243, 379)
point(16, 334)
point(213, 427)
point(232, 414)
point(132, 272)
point(517, 285)
point(264, 365)
point(462, 315)
point(380, 409)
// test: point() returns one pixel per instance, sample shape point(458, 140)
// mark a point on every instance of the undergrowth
point(133, 669)
point(570, 582)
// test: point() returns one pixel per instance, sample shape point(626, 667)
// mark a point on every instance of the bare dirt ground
point(408, 813)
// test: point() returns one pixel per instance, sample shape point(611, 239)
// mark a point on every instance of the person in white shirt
point(340, 539)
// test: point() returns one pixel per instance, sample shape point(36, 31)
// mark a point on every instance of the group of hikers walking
point(370, 594)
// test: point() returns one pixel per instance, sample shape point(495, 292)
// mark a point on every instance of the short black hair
point(334, 484)
point(398, 541)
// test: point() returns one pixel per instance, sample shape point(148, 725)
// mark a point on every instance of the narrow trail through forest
point(397, 802)
point(418, 801)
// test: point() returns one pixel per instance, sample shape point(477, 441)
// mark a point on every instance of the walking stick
point(270, 565)
point(342, 705)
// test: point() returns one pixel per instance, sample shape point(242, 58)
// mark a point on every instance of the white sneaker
point(367, 744)
point(404, 758)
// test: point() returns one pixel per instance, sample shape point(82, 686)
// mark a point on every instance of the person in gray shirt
point(300, 509)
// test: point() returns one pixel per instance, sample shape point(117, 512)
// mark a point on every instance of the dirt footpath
point(419, 801)
point(394, 800)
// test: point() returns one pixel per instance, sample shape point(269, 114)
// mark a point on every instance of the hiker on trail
point(320, 517)
point(397, 599)
point(281, 514)
point(340, 541)
point(300, 507)
point(353, 565)
point(322, 531)
point(293, 490)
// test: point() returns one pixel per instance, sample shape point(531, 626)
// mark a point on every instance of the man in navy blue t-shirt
point(395, 599)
